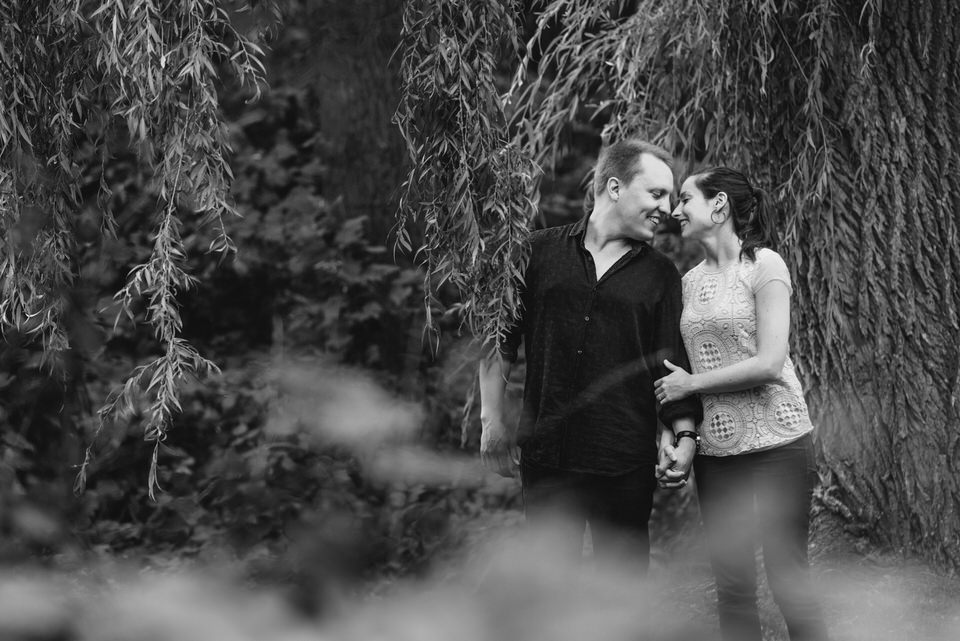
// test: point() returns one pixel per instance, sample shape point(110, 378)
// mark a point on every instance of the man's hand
point(498, 448)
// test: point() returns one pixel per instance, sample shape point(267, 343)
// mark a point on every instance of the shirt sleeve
point(509, 343)
point(770, 267)
point(670, 346)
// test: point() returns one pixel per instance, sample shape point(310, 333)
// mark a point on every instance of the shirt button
point(586, 318)
point(579, 351)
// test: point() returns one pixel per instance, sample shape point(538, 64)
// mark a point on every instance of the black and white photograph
point(479, 320)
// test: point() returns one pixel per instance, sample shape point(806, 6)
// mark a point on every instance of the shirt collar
point(580, 228)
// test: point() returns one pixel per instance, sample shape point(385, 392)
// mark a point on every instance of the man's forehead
point(655, 173)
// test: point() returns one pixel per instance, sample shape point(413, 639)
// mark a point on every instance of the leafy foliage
point(469, 186)
point(311, 275)
point(309, 278)
point(77, 71)
point(308, 274)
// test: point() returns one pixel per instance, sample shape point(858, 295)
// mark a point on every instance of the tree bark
point(877, 337)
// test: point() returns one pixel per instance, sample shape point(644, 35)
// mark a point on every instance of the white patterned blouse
point(719, 327)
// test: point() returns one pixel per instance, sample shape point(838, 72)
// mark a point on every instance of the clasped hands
point(674, 463)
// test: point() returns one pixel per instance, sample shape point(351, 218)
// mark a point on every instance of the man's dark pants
point(616, 507)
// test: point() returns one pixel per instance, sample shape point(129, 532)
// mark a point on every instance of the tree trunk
point(876, 321)
point(344, 50)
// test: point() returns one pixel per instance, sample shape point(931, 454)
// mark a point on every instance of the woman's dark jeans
point(761, 497)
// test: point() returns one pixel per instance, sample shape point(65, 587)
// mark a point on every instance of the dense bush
point(307, 282)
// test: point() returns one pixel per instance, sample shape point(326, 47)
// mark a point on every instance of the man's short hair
point(622, 160)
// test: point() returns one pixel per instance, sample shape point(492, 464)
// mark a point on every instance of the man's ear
point(613, 188)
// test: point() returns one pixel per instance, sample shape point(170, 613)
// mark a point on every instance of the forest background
point(335, 452)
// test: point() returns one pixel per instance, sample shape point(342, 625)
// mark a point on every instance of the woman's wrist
point(696, 381)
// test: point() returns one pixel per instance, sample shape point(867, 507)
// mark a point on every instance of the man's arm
point(668, 340)
point(674, 458)
point(498, 443)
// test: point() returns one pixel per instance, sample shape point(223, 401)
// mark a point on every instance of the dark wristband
point(687, 434)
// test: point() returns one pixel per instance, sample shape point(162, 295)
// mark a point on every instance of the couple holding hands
point(619, 349)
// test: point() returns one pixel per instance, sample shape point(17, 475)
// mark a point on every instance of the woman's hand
point(676, 385)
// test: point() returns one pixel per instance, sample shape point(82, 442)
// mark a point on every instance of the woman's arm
point(773, 333)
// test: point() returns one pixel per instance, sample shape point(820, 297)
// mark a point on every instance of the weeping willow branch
point(38, 187)
point(153, 67)
point(468, 186)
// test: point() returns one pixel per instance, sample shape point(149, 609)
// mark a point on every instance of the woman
point(755, 470)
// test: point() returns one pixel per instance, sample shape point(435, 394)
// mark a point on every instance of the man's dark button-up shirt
point(594, 349)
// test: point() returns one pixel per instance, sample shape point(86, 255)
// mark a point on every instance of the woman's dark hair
point(750, 207)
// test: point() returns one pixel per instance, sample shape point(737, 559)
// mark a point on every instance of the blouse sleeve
point(770, 267)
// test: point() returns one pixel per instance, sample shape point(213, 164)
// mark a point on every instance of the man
point(601, 312)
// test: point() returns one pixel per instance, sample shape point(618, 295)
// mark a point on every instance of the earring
point(713, 216)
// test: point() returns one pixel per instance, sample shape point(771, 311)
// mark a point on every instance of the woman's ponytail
point(750, 208)
point(760, 229)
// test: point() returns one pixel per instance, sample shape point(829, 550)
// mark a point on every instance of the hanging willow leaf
point(469, 185)
point(151, 67)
